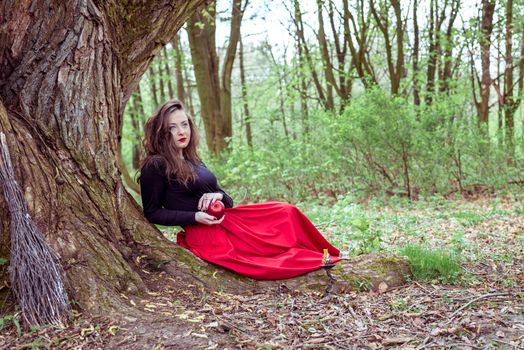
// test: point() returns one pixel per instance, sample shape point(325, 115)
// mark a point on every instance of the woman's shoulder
point(155, 163)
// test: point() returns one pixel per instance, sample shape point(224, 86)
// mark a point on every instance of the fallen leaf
point(316, 340)
point(382, 287)
point(199, 335)
point(397, 340)
point(419, 322)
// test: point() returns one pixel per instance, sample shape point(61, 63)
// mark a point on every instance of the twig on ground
point(506, 343)
point(485, 296)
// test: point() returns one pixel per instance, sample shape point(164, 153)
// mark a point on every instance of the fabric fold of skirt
point(265, 241)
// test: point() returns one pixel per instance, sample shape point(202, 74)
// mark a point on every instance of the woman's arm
point(152, 188)
point(226, 199)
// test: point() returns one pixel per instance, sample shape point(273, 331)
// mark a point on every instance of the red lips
point(183, 139)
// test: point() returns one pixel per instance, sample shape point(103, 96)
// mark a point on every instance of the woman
point(263, 241)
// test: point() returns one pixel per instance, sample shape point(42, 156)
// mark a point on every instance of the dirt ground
point(485, 310)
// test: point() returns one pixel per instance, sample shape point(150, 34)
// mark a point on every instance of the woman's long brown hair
point(160, 146)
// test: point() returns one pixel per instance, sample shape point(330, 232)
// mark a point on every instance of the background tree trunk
point(226, 124)
point(214, 93)
point(326, 59)
point(395, 65)
point(416, 50)
point(179, 71)
point(152, 84)
point(138, 108)
point(306, 54)
point(169, 74)
point(201, 33)
point(245, 104)
point(486, 28)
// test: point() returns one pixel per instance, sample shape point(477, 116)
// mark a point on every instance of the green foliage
point(379, 145)
point(366, 240)
point(11, 318)
point(3, 261)
point(432, 264)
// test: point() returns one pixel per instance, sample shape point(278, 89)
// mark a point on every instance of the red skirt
point(264, 241)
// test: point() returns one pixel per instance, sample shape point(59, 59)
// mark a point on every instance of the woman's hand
point(208, 198)
point(206, 219)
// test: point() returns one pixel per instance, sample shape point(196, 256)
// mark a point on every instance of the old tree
point(67, 69)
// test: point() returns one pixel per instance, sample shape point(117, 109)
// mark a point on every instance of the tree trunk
point(281, 90)
point(247, 116)
point(306, 53)
point(345, 80)
point(66, 72)
point(326, 59)
point(304, 109)
point(486, 28)
point(432, 52)
point(395, 65)
point(361, 33)
point(179, 72)
point(161, 78)
point(449, 43)
point(138, 108)
point(152, 84)
point(201, 33)
point(61, 108)
point(226, 124)
point(169, 74)
point(510, 101)
point(416, 49)
point(215, 93)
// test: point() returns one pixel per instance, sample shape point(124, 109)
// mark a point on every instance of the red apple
point(216, 209)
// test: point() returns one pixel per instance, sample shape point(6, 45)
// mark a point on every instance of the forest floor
point(482, 309)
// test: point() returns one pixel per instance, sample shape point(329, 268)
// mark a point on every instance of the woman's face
point(178, 125)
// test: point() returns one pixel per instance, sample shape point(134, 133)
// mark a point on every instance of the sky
point(271, 20)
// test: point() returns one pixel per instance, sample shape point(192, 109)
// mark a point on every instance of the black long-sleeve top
point(170, 202)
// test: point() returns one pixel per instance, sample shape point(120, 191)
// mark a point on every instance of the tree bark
point(361, 32)
point(179, 72)
point(215, 93)
point(510, 101)
point(326, 59)
point(201, 33)
point(345, 80)
point(226, 130)
point(395, 65)
point(65, 74)
point(161, 78)
point(449, 44)
point(416, 50)
point(433, 51)
point(245, 104)
point(486, 28)
point(302, 88)
point(281, 90)
point(169, 74)
point(152, 84)
point(138, 108)
point(306, 53)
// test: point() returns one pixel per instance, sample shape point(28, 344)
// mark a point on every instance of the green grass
point(433, 265)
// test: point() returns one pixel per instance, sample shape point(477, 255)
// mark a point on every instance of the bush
point(432, 264)
point(378, 145)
